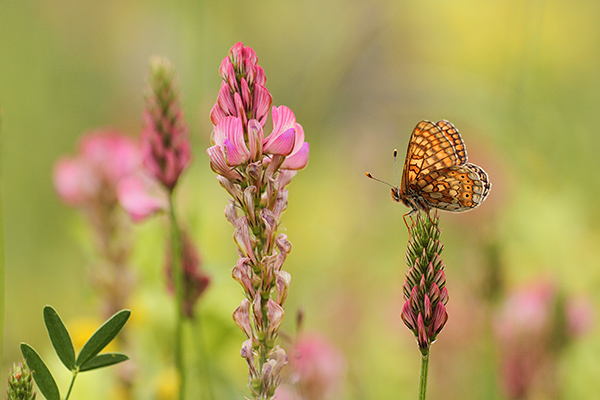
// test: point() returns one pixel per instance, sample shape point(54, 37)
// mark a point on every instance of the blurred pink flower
point(165, 144)
point(317, 368)
point(533, 326)
point(105, 157)
point(141, 196)
point(195, 279)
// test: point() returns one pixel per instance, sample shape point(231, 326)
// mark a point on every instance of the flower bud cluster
point(20, 383)
point(425, 293)
point(255, 171)
point(165, 145)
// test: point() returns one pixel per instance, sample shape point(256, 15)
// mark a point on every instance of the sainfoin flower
point(316, 369)
point(195, 279)
point(425, 293)
point(533, 326)
point(255, 168)
point(105, 157)
point(165, 144)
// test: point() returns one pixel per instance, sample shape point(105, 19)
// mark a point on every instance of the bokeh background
point(519, 79)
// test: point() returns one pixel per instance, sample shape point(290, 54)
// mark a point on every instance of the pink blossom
point(534, 324)
point(195, 279)
point(105, 157)
point(282, 139)
point(165, 144)
point(141, 197)
point(317, 368)
point(229, 137)
point(242, 76)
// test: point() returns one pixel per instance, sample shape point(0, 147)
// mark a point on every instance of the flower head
point(105, 157)
point(425, 293)
point(317, 368)
point(195, 279)
point(165, 144)
point(20, 383)
point(534, 325)
point(243, 93)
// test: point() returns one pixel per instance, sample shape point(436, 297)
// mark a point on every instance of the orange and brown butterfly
point(436, 173)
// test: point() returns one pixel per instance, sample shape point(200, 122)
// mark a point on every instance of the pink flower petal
point(297, 160)
point(281, 144)
point(218, 163)
point(74, 181)
point(134, 194)
point(283, 119)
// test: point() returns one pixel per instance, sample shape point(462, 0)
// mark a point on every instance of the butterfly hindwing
point(456, 188)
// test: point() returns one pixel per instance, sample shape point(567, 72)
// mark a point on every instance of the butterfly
point(436, 173)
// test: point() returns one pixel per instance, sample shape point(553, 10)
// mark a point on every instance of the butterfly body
point(436, 173)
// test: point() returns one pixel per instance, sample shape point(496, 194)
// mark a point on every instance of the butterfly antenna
point(396, 165)
point(378, 180)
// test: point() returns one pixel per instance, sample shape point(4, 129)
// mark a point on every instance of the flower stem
point(1, 261)
point(177, 274)
point(424, 373)
point(71, 385)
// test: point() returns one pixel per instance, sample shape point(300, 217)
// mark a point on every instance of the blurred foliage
point(518, 79)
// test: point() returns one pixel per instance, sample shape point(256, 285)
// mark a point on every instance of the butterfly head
point(396, 195)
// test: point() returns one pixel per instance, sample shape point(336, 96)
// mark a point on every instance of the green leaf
point(102, 337)
point(41, 374)
point(59, 336)
point(103, 360)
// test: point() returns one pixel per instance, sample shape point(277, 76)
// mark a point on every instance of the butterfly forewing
point(451, 133)
point(429, 149)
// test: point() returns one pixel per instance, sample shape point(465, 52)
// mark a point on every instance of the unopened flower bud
point(20, 383)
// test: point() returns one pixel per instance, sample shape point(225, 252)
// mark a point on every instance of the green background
point(519, 79)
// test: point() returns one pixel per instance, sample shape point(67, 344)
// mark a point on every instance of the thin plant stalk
point(423, 375)
point(178, 282)
point(1, 259)
point(71, 386)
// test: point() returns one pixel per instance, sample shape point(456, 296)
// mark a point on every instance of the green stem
point(424, 373)
point(177, 275)
point(204, 365)
point(1, 263)
point(71, 385)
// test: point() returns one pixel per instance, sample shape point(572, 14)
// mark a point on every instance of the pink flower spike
point(135, 195)
point(297, 160)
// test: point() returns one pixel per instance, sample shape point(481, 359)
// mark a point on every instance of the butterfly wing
point(456, 188)
point(451, 133)
point(432, 147)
